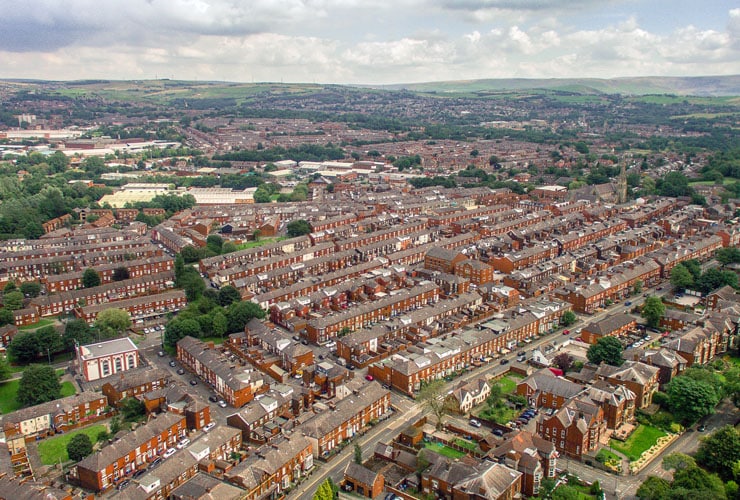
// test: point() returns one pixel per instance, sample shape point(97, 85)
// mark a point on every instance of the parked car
point(498, 432)
point(701, 428)
point(628, 303)
point(369, 377)
point(213, 399)
point(222, 403)
point(181, 371)
point(182, 443)
point(138, 474)
point(566, 332)
point(474, 422)
point(160, 354)
point(208, 427)
point(123, 484)
point(504, 361)
point(155, 463)
point(169, 453)
point(173, 364)
point(193, 382)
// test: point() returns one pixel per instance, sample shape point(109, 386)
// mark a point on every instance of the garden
point(9, 392)
point(642, 439)
point(444, 450)
point(500, 406)
point(54, 450)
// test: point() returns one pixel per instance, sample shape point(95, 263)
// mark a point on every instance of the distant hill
point(712, 86)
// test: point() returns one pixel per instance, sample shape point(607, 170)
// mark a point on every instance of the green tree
point(568, 318)
point(13, 300)
point(652, 311)
point(228, 295)
point(228, 247)
point(654, 488)
point(262, 195)
point(432, 397)
point(720, 451)
point(48, 340)
point(190, 254)
point(38, 384)
point(179, 328)
point(193, 285)
point(494, 397)
point(132, 409)
point(681, 278)
point(10, 287)
point(120, 274)
point(637, 288)
point(112, 322)
point(565, 492)
point(298, 227)
point(215, 243)
point(30, 288)
point(238, 315)
point(78, 331)
point(606, 349)
point(220, 324)
point(24, 348)
point(690, 400)
point(357, 453)
point(90, 278)
point(728, 255)
point(6, 317)
point(79, 447)
point(5, 371)
point(324, 491)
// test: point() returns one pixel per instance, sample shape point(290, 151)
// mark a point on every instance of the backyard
point(502, 413)
point(445, 450)
point(640, 441)
point(54, 450)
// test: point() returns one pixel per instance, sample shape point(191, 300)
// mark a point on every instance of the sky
point(366, 41)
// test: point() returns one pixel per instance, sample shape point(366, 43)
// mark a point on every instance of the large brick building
point(102, 359)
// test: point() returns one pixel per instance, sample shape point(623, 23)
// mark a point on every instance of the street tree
point(357, 452)
point(90, 278)
point(690, 400)
point(606, 349)
point(654, 488)
point(720, 451)
point(38, 384)
point(79, 447)
point(568, 318)
point(652, 311)
point(112, 322)
point(180, 328)
point(432, 397)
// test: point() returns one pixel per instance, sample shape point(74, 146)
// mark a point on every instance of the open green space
point(8, 390)
point(54, 450)
point(42, 322)
point(604, 455)
point(507, 384)
point(640, 441)
point(68, 389)
point(445, 450)
point(257, 243)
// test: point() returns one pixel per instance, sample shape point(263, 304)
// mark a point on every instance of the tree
point(227, 295)
point(298, 227)
point(324, 491)
point(120, 274)
point(654, 488)
point(5, 372)
point(30, 288)
point(432, 397)
point(90, 278)
point(720, 451)
point(38, 384)
point(77, 331)
point(568, 318)
point(606, 349)
point(220, 324)
point(565, 492)
point(637, 288)
point(190, 254)
point(357, 454)
point(6, 317)
point(48, 340)
point(215, 243)
point(79, 447)
point(10, 287)
point(690, 400)
point(228, 247)
point(678, 461)
point(112, 322)
point(179, 328)
point(193, 285)
point(653, 310)
point(564, 361)
point(13, 300)
point(494, 397)
point(728, 255)
point(681, 278)
point(238, 315)
point(132, 409)
point(24, 347)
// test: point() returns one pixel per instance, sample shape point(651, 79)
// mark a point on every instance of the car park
point(209, 426)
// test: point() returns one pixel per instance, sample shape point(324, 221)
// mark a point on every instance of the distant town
point(314, 292)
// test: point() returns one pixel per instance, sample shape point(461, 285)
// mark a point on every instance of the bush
point(661, 399)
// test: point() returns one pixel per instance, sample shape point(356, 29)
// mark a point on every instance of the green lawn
point(445, 450)
point(8, 390)
point(464, 443)
point(570, 491)
point(507, 384)
point(41, 323)
point(500, 414)
point(641, 440)
point(54, 449)
point(604, 455)
point(68, 389)
point(215, 340)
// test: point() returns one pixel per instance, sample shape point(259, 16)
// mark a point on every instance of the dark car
point(155, 463)
point(304, 342)
point(701, 428)
point(193, 382)
point(504, 361)
point(350, 367)
point(123, 484)
point(213, 399)
point(181, 371)
point(173, 364)
point(498, 432)
point(138, 473)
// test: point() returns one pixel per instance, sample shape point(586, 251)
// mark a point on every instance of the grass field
point(257, 243)
point(41, 323)
point(68, 389)
point(8, 390)
point(54, 449)
point(507, 384)
point(640, 441)
point(445, 450)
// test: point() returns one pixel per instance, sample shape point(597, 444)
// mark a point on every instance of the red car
point(369, 377)
point(566, 332)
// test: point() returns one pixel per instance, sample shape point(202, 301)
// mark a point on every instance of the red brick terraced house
point(54, 416)
point(103, 469)
point(614, 325)
point(140, 308)
point(349, 417)
point(235, 384)
point(133, 383)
